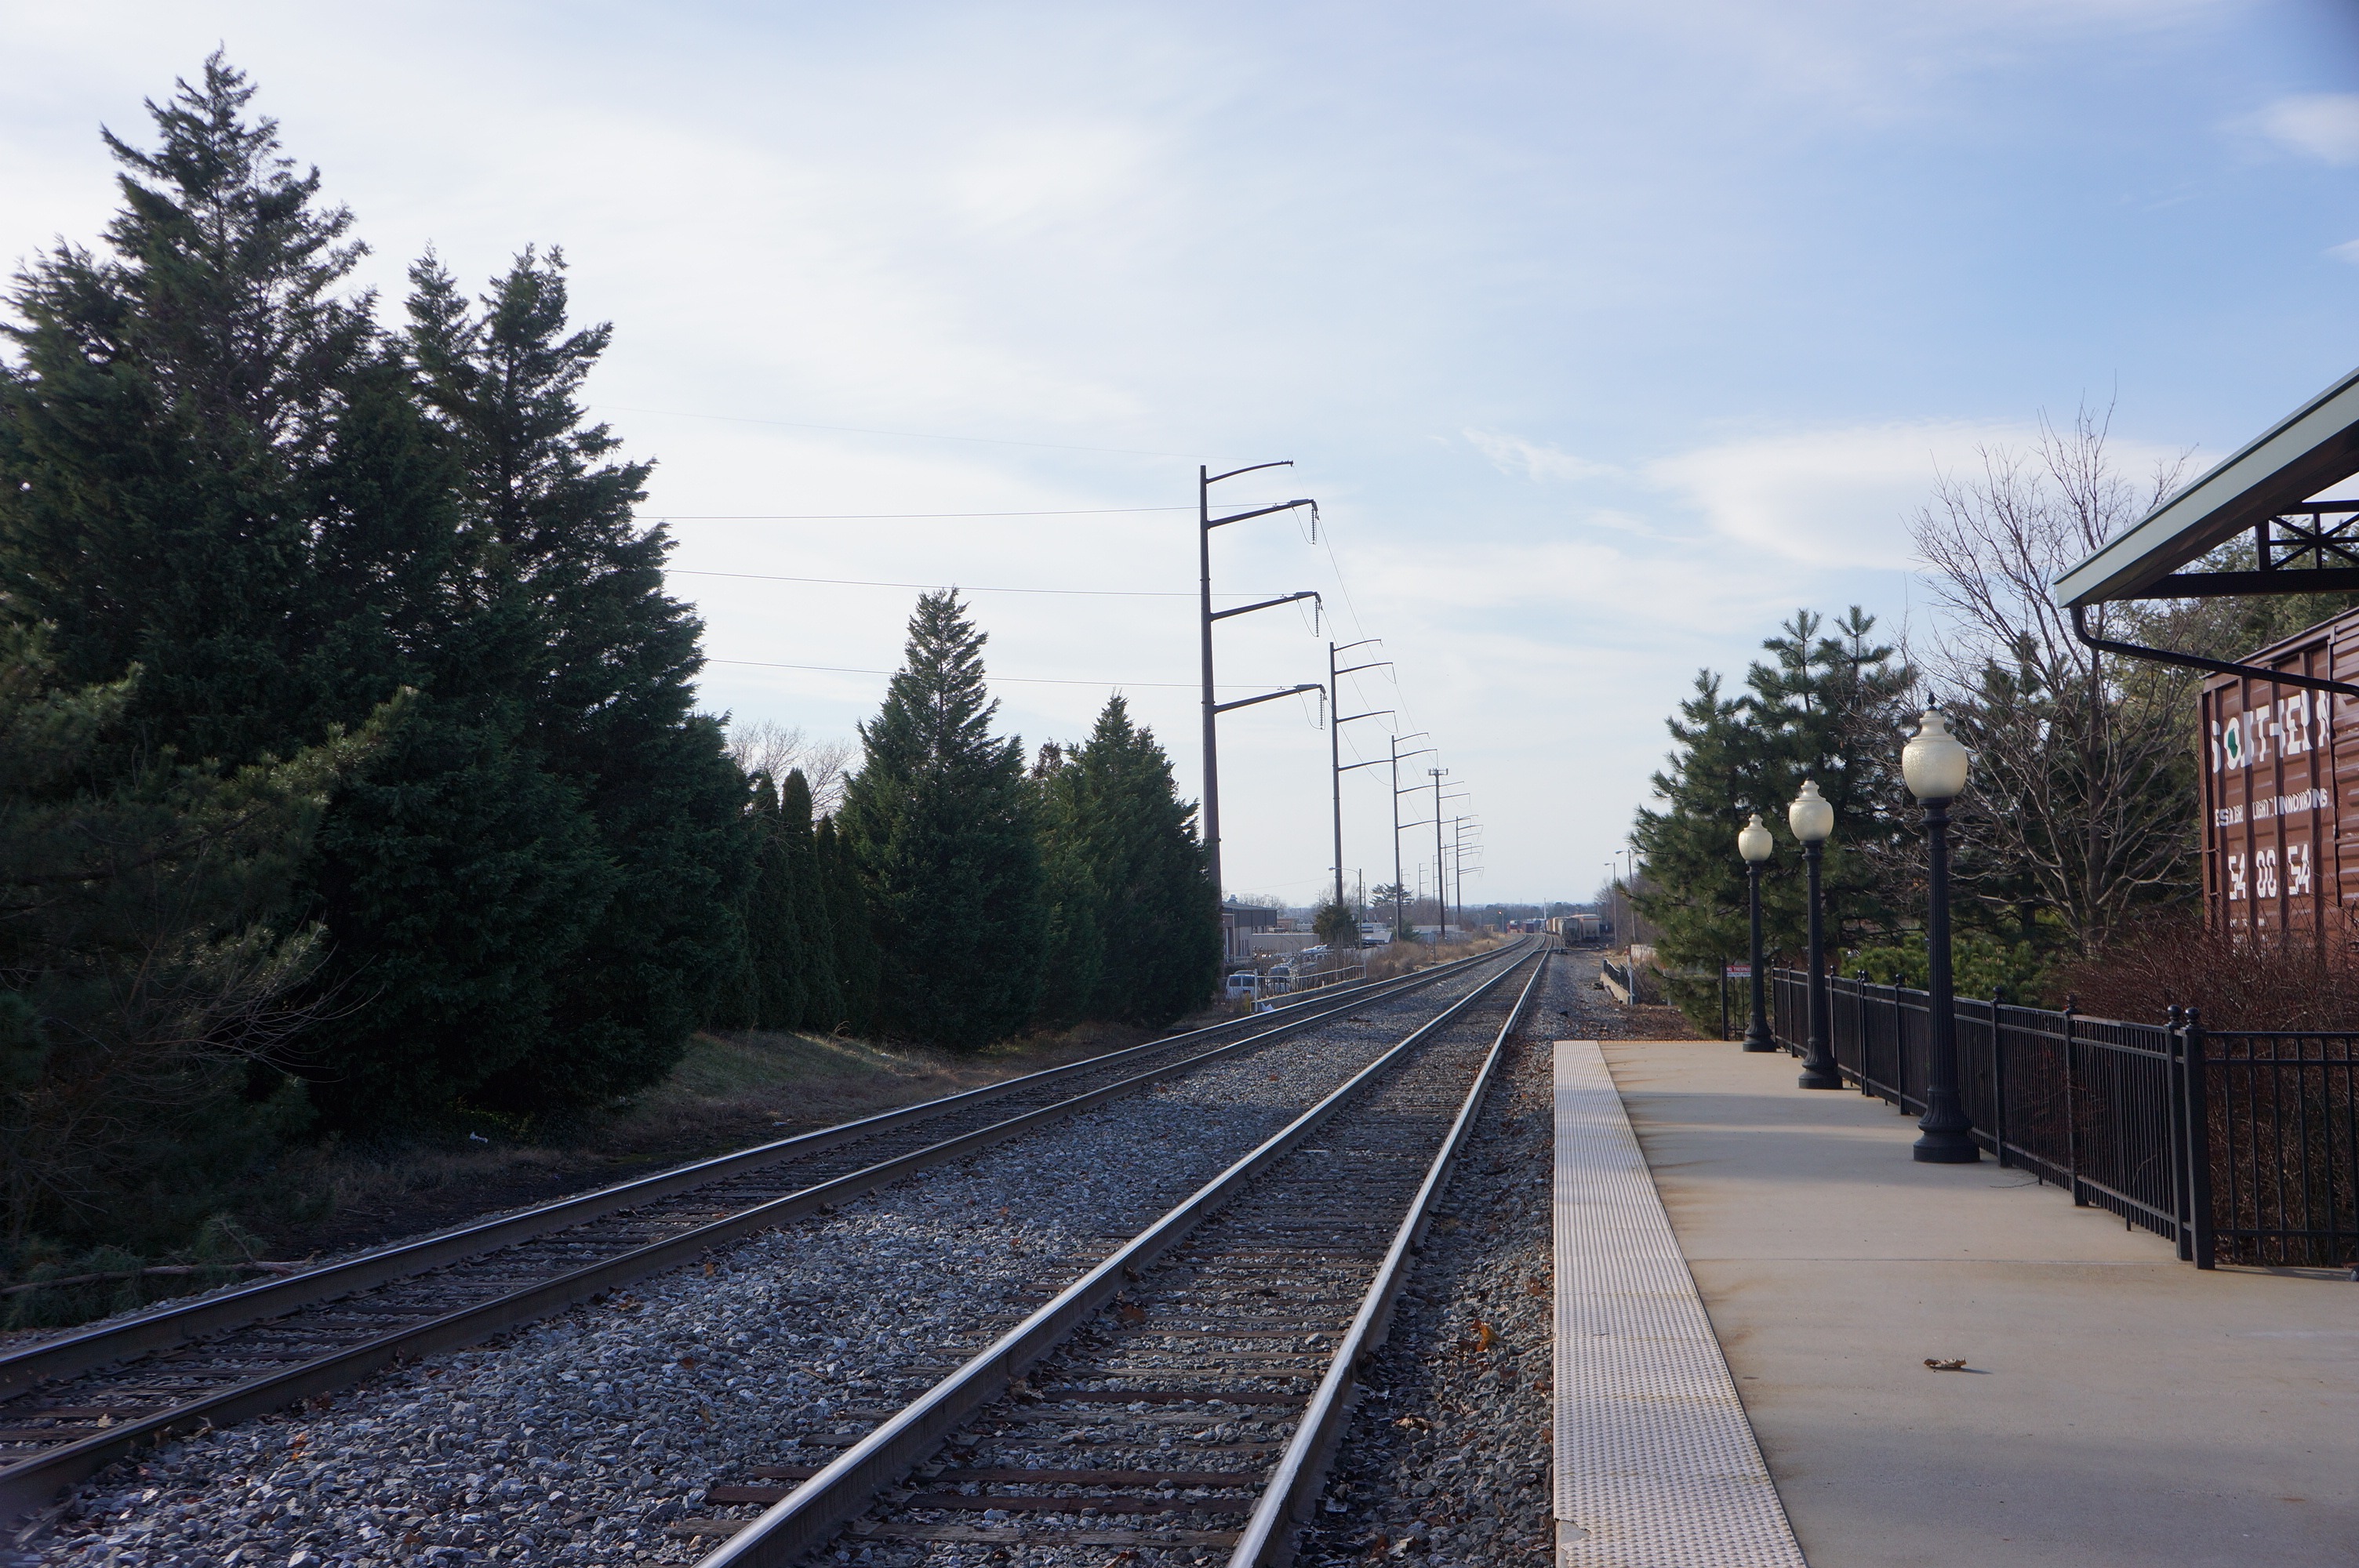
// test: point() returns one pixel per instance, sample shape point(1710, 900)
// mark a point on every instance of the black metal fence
point(2239, 1146)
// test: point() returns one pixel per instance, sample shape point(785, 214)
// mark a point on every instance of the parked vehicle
point(1243, 985)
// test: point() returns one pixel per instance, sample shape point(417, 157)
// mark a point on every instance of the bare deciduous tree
point(2082, 806)
point(766, 746)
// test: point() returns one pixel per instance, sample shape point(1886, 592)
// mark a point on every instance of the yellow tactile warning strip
point(1656, 1465)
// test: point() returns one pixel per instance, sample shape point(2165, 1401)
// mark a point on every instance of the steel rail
point(28, 1484)
point(178, 1324)
point(822, 1505)
point(1291, 1492)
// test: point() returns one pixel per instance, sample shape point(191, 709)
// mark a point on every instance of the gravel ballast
point(1448, 1455)
point(582, 1438)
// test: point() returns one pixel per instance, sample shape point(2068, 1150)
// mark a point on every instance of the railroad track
point(1183, 1396)
point(71, 1405)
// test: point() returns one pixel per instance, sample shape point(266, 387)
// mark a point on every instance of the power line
point(1021, 680)
point(900, 516)
point(904, 435)
point(871, 582)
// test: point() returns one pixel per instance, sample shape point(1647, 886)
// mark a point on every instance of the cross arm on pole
point(1379, 763)
point(1250, 467)
point(1266, 696)
point(1268, 603)
point(1260, 511)
point(1371, 713)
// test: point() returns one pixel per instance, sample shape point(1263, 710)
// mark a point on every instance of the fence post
point(1998, 1079)
point(1867, 1049)
point(2198, 1139)
point(2174, 1039)
point(2071, 1109)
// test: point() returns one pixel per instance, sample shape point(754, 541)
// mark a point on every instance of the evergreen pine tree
point(858, 964)
point(939, 822)
point(601, 661)
point(147, 996)
point(211, 465)
point(821, 994)
point(1830, 708)
point(1133, 931)
point(775, 956)
point(1158, 921)
point(1074, 946)
point(218, 469)
point(174, 442)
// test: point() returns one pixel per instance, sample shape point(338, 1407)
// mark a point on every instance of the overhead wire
point(898, 435)
point(902, 516)
point(1020, 680)
point(1325, 541)
point(962, 588)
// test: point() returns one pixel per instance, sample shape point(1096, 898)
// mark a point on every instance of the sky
point(1604, 335)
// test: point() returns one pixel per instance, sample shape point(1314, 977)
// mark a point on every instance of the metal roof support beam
point(2197, 662)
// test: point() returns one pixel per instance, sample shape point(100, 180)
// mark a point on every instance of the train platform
point(1751, 1279)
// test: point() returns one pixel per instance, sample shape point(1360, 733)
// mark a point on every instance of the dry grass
point(1396, 958)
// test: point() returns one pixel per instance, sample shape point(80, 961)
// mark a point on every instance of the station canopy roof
point(2267, 490)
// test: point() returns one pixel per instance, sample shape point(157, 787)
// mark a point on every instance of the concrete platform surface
point(1656, 1465)
point(2121, 1408)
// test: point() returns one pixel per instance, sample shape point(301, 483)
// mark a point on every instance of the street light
point(1935, 763)
point(1754, 843)
point(1812, 819)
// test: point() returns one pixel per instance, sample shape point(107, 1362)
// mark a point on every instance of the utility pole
point(1441, 911)
point(1398, 929)
point(1205, 524)
point(1457, 850)
point(1458, 862)
point(1336, 720)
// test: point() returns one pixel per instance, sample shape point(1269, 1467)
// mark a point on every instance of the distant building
point(1238, 924)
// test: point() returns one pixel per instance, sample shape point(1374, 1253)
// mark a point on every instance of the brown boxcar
point(2281, 763)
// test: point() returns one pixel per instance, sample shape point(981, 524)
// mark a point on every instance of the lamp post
point(1935, 763)
point(1754, 843)
point(1812, 819)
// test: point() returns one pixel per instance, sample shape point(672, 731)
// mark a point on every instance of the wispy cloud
point(1831, 498)
point(2323, 125)
point(1844, 497)
point(2347, 251)
point(1515, 455)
